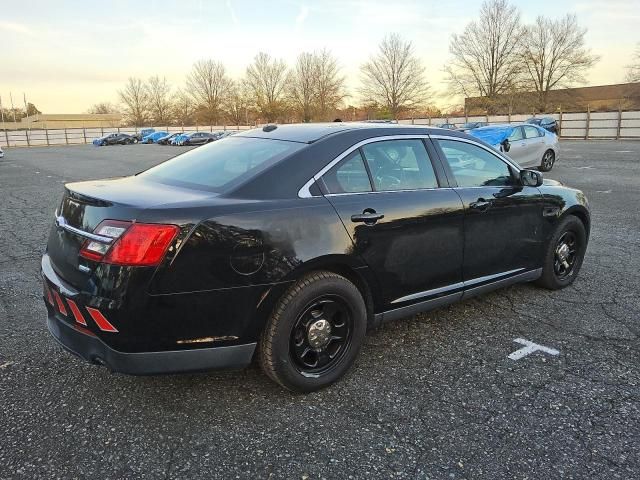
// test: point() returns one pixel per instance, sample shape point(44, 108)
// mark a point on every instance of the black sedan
point(115, 139)
point(289, 242)
point(200, 138)
point(548, 123)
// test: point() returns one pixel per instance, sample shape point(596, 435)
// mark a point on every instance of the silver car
point(529, 145)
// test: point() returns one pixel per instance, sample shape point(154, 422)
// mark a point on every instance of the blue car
point(179, 139)
point(154, 137)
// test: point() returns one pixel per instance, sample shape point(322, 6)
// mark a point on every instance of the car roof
point(312, 132)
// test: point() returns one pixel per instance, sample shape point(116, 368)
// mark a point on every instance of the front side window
point(531, 132)
point(220, 165)
point(399, 165)
point(516, 135)
point(473, 166)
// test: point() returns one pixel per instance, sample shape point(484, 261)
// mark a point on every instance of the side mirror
point(506, 146)
point(530, 178)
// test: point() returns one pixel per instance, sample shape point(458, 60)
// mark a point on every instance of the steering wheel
point(387, 182)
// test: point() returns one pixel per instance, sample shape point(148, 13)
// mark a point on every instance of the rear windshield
point(222, 164)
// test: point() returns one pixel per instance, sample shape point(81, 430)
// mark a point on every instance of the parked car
point(1, 153)
point(144, 132)
point(465, 127)
point(179, 139)
point(295, 239)
point(200, 138)
point(448, 126)
point(167, 138)
point(154, 137)
point(115, 139)
point(548, 123)
point(529, 145)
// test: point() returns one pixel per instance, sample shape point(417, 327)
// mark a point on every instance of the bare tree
point(302, 85)
point(158, 91)
point(394, 77)
point(330, 84)
point(209, 86)
point(136, 101)
point(183, 108)
point(633, 69)
point(554, 55)
point(267, 79)
point(485, 57)
point(102, 108)
point(238, 103)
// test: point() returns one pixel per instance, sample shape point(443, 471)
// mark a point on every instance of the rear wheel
point(314, 333)
point(564, 254)
point(548, 159)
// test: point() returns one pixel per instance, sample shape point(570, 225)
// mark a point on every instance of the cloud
point(16, 27)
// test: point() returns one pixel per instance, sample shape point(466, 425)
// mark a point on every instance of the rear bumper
point(89, 347)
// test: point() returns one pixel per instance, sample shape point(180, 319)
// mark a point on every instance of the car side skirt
point(450, 298)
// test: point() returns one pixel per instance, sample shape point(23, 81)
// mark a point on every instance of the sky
point(68, 55)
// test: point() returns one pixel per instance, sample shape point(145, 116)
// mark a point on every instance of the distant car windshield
point(535, 121)
point(219, 165)
point(470, 125)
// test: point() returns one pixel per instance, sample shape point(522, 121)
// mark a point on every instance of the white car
point(529, 145)
point(1, 153)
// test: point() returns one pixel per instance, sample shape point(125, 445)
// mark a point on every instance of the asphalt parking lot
point(434, 396)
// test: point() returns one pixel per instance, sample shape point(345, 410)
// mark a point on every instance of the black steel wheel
point(564, 254)
point(321, 335)
point(548, 159)
point(314, 332)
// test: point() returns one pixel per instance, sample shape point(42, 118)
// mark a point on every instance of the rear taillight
point(135, 244)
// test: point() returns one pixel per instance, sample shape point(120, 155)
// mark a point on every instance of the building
point(64, 120)
point(625, 96)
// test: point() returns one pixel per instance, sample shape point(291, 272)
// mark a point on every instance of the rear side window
point(222, 164)
point(399, 165)
point(349, 176)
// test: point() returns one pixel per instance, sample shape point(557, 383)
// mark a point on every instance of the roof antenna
point(269, 127)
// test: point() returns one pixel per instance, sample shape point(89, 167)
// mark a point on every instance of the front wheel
point(314, 333)
point(548, 159)
point(564, 254)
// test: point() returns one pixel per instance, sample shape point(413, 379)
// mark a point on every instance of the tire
point(290, 329)
point(548, 159)
point(569, 227)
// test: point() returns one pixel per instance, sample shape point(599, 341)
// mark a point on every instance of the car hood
point(552, 183)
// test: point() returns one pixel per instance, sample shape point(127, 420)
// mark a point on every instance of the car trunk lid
point(85, 204)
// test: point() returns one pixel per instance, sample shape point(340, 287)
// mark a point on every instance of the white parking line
point(529, 348)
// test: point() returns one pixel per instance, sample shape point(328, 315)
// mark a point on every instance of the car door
point(406, 227)
point(517, 146)
point(535, 145)
point(503, 219)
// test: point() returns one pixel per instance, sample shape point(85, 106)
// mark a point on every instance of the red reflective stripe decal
point(60, 303)
point(103, 323)
point(76, 312)
point(48, 291)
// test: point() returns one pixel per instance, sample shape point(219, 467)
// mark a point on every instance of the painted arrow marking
point(529, 348)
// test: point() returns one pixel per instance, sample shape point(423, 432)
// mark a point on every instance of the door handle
point(481, 205)
point(369, 217)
